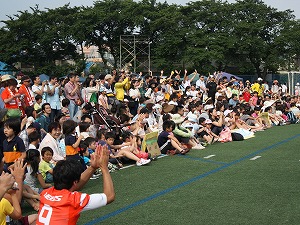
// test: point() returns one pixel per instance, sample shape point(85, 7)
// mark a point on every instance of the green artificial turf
point(228, 188)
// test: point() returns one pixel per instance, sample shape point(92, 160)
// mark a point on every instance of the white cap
point(227, 111)
point(192, 118)
point(157, 106)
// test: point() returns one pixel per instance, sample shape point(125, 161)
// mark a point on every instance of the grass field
point(255, 182)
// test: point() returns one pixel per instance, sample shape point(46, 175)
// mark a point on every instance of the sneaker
point(95, 176)
point(143, 162)
point(199, 146)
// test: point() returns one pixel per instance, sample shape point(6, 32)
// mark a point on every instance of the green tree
point(255, 29)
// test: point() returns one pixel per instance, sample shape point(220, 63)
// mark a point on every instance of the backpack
point(291, 117)
point(237, 137)
point(225, 135)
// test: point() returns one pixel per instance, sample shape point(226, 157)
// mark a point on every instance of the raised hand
point(18, 170)
point(6, 181)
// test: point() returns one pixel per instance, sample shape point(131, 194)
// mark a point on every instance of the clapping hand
point(100, 158)
point(18, 169)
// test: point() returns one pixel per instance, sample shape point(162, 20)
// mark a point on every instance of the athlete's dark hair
point(65, 173)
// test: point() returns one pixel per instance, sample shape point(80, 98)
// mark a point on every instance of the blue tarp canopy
point(81, 79)
point(4, 69)
point(43, 77)
point(228, 75)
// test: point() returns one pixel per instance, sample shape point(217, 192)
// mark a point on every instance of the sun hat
point(166, 108)
point(108, 76)
point(207, 107)
point(192, 118)
point(177, 118)
point(268, 103)
point(188, 125)
point(6, 77)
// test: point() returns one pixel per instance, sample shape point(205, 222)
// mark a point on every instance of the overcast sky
point(11, 7)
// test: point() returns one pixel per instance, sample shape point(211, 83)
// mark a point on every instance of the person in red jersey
point(62, 204)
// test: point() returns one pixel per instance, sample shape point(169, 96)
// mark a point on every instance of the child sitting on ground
point(167, 142)
point(124, 150)
point(205, 131)
point(91, 144)
point(45, 166)
point(33, 176)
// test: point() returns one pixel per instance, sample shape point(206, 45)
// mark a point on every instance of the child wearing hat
point(102, 99)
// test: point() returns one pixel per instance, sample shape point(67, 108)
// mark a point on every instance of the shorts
point(202, 134)
point(184, 140)
point(166, 147)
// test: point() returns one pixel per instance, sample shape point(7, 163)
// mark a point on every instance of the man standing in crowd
point(53, 97)
point(25, 90)
point(73, 92)
point(39, 89)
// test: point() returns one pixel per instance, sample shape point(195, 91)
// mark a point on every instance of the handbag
point(13, 113)
point(93, 98)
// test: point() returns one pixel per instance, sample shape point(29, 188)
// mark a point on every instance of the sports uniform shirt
point(62, 207)
point(13, 149)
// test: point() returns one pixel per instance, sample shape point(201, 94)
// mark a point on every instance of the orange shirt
point(29, 99)
point(13, 104)
point(61, 207)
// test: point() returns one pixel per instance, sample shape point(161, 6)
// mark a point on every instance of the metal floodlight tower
point(135, 51)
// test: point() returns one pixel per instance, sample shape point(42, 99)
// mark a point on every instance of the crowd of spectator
point(45, 122)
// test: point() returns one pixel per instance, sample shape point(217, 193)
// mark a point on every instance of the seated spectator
point(34, 140)
point(50, 140)
point(126, 149)
point(44, 119)
point(45, 166)
point(167, 142)
point(10, 203)
point(205, 131)
point(233, 101)
point(184, 135)
point(33, 177)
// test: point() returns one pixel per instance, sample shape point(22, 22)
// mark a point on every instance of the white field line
point(256, 157)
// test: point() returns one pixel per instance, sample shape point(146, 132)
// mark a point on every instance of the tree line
point(210, 35)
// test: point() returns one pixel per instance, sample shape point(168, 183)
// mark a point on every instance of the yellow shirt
point(119, 88)
point(5, 209)
point(259, 88)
